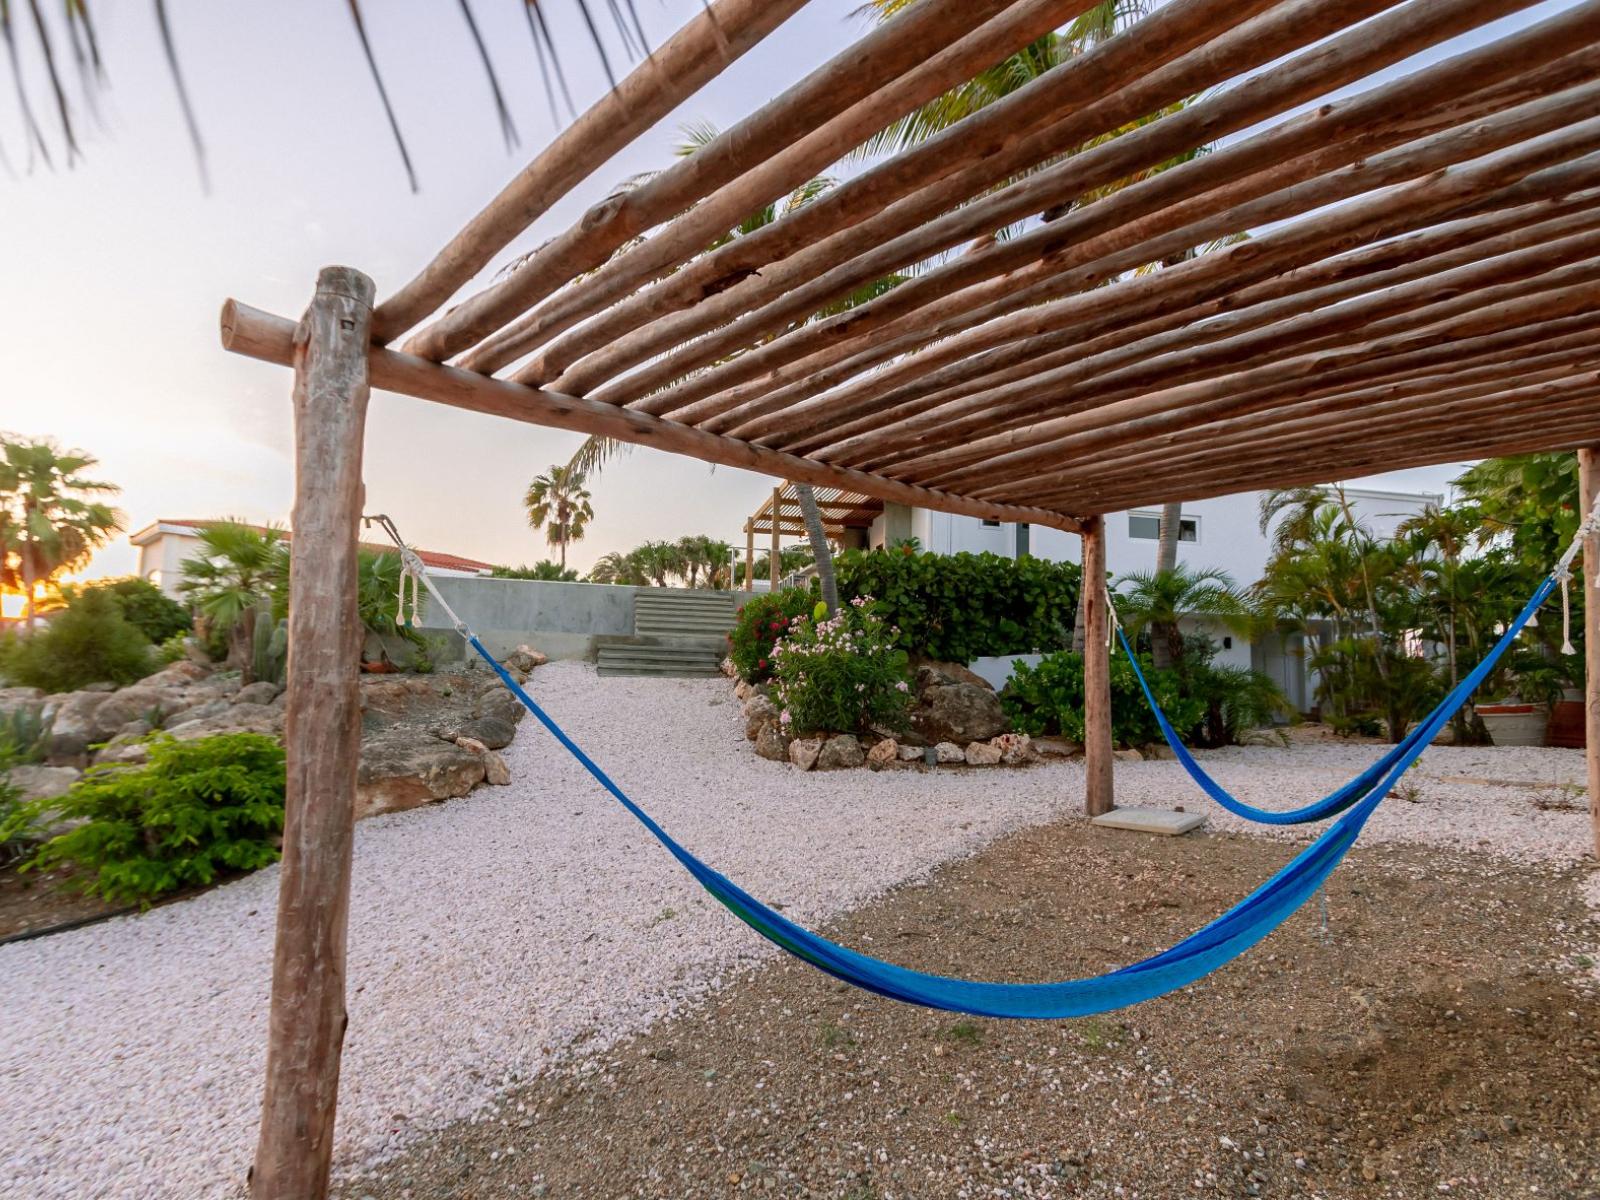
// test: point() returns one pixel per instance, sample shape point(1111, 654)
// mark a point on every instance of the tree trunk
point(820, 550)
point(1097, 734)
point(1167, 542)
point(322, 738)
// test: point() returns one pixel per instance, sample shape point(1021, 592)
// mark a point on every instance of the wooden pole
point(749, 556)
point(1097, 745)
point(777, 514)
point(1589, 486)
point(322, 735)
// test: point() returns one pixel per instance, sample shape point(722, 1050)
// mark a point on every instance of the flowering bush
point(761, 623)
point(841, 674)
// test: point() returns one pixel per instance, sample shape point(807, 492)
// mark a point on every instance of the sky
point(115, 269)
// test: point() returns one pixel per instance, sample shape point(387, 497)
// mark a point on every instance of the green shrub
point(89, 641)
point(1235, 701)
point(958, 607)
point(195, 812)
point(24, 737)
point(762, 621)
point(147, 608)
point(840, 675)
point(1048, 698)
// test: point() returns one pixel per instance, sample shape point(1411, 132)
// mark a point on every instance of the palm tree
point(616, 567)
point(1156, 600)
point(241, 570)
point(53, 522)
point(659, 561)
point(558, 503)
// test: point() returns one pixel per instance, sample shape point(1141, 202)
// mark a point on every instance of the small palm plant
point(240, 571)
point(558, 503)
point(1157, 600)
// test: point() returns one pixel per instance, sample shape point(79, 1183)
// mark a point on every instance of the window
point(1022, 539)
point(1146, 526)
point(988, 524)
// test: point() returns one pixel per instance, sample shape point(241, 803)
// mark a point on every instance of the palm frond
point(383, 95)
point(508, 128)
point(196, 142)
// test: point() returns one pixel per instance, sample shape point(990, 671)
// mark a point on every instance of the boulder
point(263, 691)
point(211, 708)
point(758, 710)
point(40, 782)
point(20, 699)
point(239, 718)
point(123, 751)
point(1129, 755)
point(137, 703)
point(803, 752)
point(885, 753)
point(910, 753)
point(840, 752)
point(500, 705)
point(525, 658)
point(495, 770)
point(982, 754)
point(472, 744)
point(1015, 749)
point(1159, 751)
point(772, 743)
point(176, 674)
point(741, 691)
point(949, 752)
point(1056, 747)
point(494, 732)
point(72, 725)
point(953, 710)
point(404, 771)
point(928, 669)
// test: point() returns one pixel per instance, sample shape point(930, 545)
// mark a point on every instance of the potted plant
point(1522, 717)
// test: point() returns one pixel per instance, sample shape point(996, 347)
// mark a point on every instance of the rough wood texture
point(777, 513)
point(322, 735)
point(257, 334)
point(1098, 796)
point(676, 70)
point(1589, 488)
point(749, 556)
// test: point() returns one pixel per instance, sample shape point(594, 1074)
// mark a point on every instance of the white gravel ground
point(491, 933)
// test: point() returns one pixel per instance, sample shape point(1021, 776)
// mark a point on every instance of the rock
point(135, 730)
point(176, 674)
point(772, 743)
point(502, 706)
point(137, 703)
point(20, 699)
point(840, 752)
point(103, 685)
point(949, 752)
point(495, 770)
point(741, 691)
point(1129, 755)
point(954, 710)
point(72, 725)
point(408, 769)
point(263, 691)
point(494, 732)
point(910, 753)
point(525, 658)
point(1056, 747)
point(122, 751)
point(472, 744)
point(803, 752)
point(949, 672)
point(1159, 751)
point(39, 782)
point(982, 754)
point(1015, 749)
point(211, 708)
point(758, 710)
point(885, 753)
point(239, 718)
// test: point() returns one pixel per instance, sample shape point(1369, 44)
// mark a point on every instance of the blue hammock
point(1225, 938)
point(1362, 785)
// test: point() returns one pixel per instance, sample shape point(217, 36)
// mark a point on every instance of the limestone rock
point(72, 725)
point(472, 744)
point(928, 668)
point(772, 743)
point(952, 709)
point(949, 752)
point(495, 770)
point(122, 750)
point(758, 710)
point(136, 703)
point(239, 718)
point(884, 754)
point(1129, 755)
point(910, 753)
point(1056, 747)
point(803, 752)
point(211, 708)
point(982, 754)
point(263, 691)
point(494, 732)
point(40, 782)
point(840, 752)
point(1159, 751)
point(176, 674)
point(741, 691)
point(408, 769)
point(525, 658)
point(1015, 749)
point(20, 699)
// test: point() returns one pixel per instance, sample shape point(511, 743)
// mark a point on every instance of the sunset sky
point(114, 270)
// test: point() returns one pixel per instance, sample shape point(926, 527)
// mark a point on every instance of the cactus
point(270, 645)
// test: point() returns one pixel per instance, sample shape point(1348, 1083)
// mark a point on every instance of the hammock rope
point(1220, 941)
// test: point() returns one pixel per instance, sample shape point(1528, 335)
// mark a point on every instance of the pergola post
point(777, 517)
point(322, 737)
point(1097, 743)
point(749, 556)
point(1589, 485)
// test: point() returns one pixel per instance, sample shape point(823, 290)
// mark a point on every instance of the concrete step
point(657, 658)
point(704, 617)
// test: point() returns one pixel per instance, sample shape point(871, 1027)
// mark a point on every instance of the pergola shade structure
point(846, 519)
point(1241, 244)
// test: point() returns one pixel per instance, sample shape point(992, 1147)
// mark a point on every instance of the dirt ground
point(1435, 1040)
point(39, 900)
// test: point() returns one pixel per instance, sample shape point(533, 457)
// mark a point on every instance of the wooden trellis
point(1420, 283)
point(844, 515)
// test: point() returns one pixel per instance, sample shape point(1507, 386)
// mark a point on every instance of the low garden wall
point(560, 619)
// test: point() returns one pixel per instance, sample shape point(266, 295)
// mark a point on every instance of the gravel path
point(492, 934)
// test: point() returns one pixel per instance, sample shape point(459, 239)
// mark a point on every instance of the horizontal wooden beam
point(257, 334)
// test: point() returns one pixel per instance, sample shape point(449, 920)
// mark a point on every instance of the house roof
point(187, 527)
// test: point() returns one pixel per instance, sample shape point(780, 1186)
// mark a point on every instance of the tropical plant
point(51, 517)
point(791, 559)
point(620, 568)
point(239, 570)
point(1526, 502)
point(543, 570)
point(705, 561)
point(840, 674)
point(659, 561)
point(155, 614)
point(1048, 698)
point(762, 622)
point(1155, 601)
point(195, 812)
point(89, 641)
point(558, 503)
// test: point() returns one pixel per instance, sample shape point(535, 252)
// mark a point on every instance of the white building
point(1222, 532)
point(165, 544)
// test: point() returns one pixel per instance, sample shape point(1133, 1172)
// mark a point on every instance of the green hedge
point(1048, 699)
point(958, 607)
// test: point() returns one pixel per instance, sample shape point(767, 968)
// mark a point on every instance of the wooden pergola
point(1420, 283)
point(845, 515)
